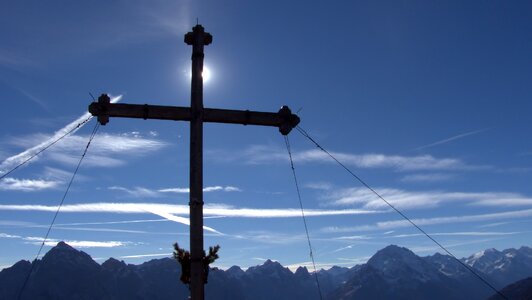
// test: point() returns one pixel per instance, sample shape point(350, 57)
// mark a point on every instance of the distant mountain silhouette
point(392, 273)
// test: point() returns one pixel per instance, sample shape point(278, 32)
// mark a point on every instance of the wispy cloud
point(12, 60)
point(26, 185)
point(33, 98)
point(387, 225)
point(432, 248)
point(320, 265)
point(222, 188)
point(423, 199)
point(9, 236)
point(60, 175)
point(173, 17)
point(353, 238)
point(93, 229)
point(343, 248)
point(207, 189)
point(146, 255)
point(75, 227)
point(324, 186)
point(462, 233)
point(178, 219)
point(402, 163)
point(14, 160)
point(136, 191)
point(142, 192)
point(105, 149)
point(431, 177)
point(114, 222)
point(268, 237)
point(15, 223)
point(450, 139)
point(82, 244)
point(260, 154)
point(50, 178)
point(179, 214)
point(73, 243)
point(209, 210)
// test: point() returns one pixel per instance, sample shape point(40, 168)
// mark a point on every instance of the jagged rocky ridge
point(392, 273)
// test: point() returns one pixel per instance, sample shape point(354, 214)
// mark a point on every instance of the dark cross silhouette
point(196, 114)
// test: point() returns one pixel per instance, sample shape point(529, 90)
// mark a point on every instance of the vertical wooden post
point(197, 38)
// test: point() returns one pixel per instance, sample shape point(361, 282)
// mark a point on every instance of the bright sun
point(206, 74)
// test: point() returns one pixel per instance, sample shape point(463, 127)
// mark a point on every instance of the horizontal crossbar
point(283, 119)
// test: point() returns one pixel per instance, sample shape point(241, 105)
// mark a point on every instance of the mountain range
point(392, 273)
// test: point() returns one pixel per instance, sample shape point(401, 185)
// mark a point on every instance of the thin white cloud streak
point(403, 163)
point(139, 192)
point(343, 248)
point(9, 236)
point(432, 248)
point(281, 213)
point(323, 186)
point(262, 259)
point(207, 189)
point(178, 219)
point(176, 190)
point(327, 265)
point(15, 223)
point(170, 212)
point(142, 192)
point(453, 138)
point(103, 148)
point(259, 154)
point(99, 229)
point(387, 225)
point(267, 237)
point(34, 99)
point(10, 59)
point(27, 185)
point(209, 210)
point(427, 199)
point(51, 179)
point(435, 177)
point(73, 243)
point(464, 233)
point(172, 17)
point(146, 255)
point(84, 244)
point(91, 229)
point(56, 174)
point(353, 238)
point(14, 160)
point(126, 222)
point(114, 222)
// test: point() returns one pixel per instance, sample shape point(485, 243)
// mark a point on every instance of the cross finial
point(198, 36)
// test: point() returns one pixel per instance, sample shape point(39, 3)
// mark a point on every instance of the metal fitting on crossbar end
point(99, 109)
point(289, 120)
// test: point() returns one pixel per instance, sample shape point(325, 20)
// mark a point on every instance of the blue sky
point(429, 102)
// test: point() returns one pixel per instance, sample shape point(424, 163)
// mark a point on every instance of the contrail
point(15, 160)
point(447, 140)
point(178, 219)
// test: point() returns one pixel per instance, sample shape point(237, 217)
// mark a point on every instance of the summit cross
point(196, 114)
